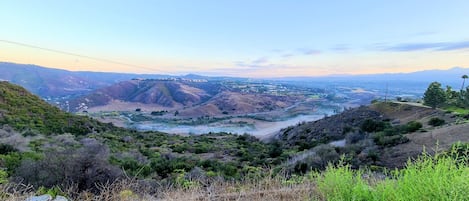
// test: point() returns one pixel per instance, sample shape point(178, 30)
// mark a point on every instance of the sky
point(245, 38)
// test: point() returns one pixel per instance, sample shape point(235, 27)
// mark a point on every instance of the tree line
point(437, 96)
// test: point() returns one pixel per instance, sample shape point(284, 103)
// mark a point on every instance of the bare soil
point(429, 139)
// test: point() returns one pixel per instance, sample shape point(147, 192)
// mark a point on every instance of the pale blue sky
point(241, 38)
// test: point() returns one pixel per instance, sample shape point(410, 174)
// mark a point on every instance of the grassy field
point(457, 110)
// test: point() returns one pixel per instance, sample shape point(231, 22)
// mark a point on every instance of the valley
point(184, 106)
point(194, 104)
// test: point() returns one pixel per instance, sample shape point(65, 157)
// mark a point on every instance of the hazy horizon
point(261, 39)
point(247, 77)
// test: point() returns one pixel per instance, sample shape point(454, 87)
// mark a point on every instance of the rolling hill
point(50, 82)
point(162, 93)
point(24, 111)
point(189, 97)
point(234, 103)
point(53, 83)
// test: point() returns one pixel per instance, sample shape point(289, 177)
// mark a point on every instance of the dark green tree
point(434, 96)
point(452, 97)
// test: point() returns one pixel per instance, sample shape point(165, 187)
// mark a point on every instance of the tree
point(452, 97)
point(435, 95)
point(464, 77)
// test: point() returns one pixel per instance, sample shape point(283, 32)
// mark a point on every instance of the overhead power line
point(80, 55)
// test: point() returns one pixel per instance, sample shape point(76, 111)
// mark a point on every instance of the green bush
point(435, 121)
point(3, 177)
point(382, 139)
point(370, 125)
point(413, 126)
point(6, 148)
point(460, 152)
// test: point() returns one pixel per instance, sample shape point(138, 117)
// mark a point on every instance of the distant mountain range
point(50, 82)
point(449, 76)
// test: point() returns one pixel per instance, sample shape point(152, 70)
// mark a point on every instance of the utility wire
point(80, 55)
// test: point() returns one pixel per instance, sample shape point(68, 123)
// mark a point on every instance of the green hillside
point(25, 111)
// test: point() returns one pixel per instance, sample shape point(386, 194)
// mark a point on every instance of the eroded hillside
point(159, 93)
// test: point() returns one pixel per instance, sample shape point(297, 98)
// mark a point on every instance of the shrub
point(6, 148)
point(316, 159)
point(370, 125)
point(460, 152)
point(392, 131)
point(382, 139)
point(435, 121)
point(275, 149)
point(413, 126)
point(180, 147)
point(3, 177)
point(158, 113)
point(85, 168)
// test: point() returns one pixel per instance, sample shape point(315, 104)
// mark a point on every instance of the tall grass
point(342, 183)
point(427, 178)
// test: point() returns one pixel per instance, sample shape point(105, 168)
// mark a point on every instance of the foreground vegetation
point(440, 177)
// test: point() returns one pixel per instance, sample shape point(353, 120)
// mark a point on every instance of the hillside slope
point(330, 128)
point(23, 110)
point(156, 92)
point(383, 134)
point(50, 82)
point(429, 138)
point(232, 103)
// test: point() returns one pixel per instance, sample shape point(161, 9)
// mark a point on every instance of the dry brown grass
point(15, 192)
point(267, 189)
point(131, 190)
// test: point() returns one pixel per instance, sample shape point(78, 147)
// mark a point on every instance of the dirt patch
point(438, 139)
point(430, 139)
